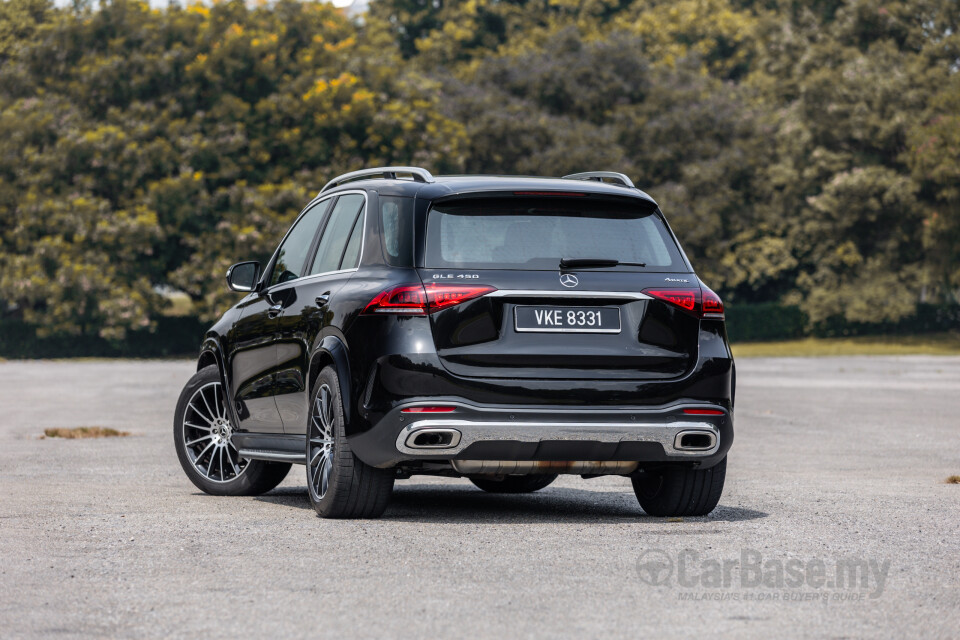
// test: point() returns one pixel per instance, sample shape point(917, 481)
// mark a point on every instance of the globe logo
point(654, 567)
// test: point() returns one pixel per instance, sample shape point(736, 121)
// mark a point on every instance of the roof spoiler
point(385, 173)
point(609, 177)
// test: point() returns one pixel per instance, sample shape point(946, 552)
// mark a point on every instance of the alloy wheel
point(208, 436)
point(321, 447)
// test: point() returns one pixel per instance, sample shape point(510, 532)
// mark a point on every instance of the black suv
point(503, 329)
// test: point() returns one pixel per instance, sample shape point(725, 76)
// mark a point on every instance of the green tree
point(934, 156)
point(804, 152)
point(19, 20)
point(149, 148)
point(844, 84)
point(581, 103)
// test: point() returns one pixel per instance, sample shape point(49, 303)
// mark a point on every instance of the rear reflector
point(427, 410)
point(703, 412)
point(419, 300)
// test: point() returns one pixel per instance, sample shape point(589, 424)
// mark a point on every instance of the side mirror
point(243, 276)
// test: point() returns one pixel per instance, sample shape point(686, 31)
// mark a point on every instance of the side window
point(351, 255)
point(396, 220)
point(346, 215)
point(292, 256)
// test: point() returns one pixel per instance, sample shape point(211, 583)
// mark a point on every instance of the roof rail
point(387, 173)
point(613, 176)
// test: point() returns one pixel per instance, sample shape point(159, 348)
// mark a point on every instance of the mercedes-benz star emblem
point(569, 280)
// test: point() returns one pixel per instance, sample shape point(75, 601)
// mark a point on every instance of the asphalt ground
point(836, 521)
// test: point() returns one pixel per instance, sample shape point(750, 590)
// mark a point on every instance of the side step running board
point(273, 456)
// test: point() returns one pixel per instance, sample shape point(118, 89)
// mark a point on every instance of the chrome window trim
point(282, 286)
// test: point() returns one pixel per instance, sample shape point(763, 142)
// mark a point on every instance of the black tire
point(340, 485)
point(226, 474)
point(680, 491)
point(515, 484)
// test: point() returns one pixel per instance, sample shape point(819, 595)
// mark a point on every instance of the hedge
point(767, 321)
point(771, 321)
point(179, 336)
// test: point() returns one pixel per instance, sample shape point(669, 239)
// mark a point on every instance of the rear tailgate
point(545, 322)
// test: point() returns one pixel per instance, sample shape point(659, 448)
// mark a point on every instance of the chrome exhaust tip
point(691, 440)
point(441, 438)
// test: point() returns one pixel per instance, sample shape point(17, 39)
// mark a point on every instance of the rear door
point(592, 320)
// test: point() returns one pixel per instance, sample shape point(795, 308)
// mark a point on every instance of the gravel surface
point(836, 459)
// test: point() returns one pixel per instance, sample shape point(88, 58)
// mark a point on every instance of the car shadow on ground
point(455, 504)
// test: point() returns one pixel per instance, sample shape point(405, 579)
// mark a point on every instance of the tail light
point(701, 302)
point(428, 410)
point(712, 304)
point(686, 299)
point(419, 300)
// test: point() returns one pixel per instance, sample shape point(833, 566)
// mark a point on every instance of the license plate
point(567, 319)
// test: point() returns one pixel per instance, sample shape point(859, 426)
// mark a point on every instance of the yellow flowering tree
point(143, 148)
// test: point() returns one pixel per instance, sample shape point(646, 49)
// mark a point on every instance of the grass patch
point(953, 480)
point(84, 432)
point(938, 344)
point(180, 305)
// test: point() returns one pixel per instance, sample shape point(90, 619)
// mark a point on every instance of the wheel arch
point(332, 351)
point(207, 358)
point(211, 353)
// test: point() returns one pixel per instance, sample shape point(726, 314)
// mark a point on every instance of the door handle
point(323, 299)
point(274, 311)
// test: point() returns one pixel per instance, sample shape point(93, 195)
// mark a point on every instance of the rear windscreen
point(521, 233)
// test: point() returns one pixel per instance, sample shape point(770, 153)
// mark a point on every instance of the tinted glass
point(536, 234)
point(293, 252)
point(337, 232)
point(396, 220)
point(351, 255)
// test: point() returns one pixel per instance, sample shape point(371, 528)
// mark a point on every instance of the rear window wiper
point(595, 263)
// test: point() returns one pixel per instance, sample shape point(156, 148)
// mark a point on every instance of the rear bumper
point(473, 432)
